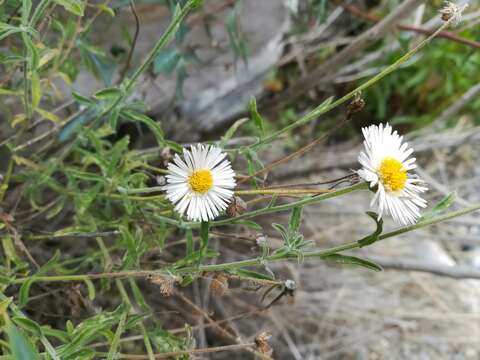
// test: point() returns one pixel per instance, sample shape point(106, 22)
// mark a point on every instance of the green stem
point(256, 261)
point(275, 191)
point(302, 202)
point(164, 40)
point(322, 109)
point(38, 12)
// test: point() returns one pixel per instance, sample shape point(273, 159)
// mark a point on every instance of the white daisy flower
point(200, 185)
point(386, 164)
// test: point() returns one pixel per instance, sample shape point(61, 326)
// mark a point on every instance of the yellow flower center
point(392, 174)
point(201, 181)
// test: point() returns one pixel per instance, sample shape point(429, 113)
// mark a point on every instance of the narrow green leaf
point(256, 117)
point(231, 131)
point(108, 94)
point(76, 7)
point(248, 274)
point(370, 239)
point(353, 260)
point(152, 124)
point(295, 219)
point(91, 289)
point(36, 90)
point(20, 345)
point(248, 223)
point(441, 206)
point(138, 296)
point(112, 354)
point(28, 324)
point(204, 232)
point(166, 61)
point(189, 240)
point(24, 291)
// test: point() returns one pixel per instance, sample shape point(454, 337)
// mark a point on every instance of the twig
point(196, 18)
point(174, 354)
point(217, 326)
point(443, 34)
point(252, 262)
point(351, 110)
point(459, 104)
point(455, 272)
point(304, 84)
point(134, 41)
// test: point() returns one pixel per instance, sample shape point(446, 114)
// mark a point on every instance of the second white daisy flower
point(200, 185)
point(386, 164)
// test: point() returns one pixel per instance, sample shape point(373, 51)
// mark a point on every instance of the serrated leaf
point(370, 239)
point(353, 260)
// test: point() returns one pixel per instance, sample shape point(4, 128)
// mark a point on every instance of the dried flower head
point(290, 285)
point(236, 207)
point(161, 180)
point(261, 340)
point(166, 283)
point(166, 155)
point(219, 285)
point(452, 12)
point(261, 240)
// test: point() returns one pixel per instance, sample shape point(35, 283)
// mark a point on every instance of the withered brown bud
point(166, 283)
point(219, 285)
point(236, 207)
point(166, 155)
point(356, 105)
point(261, 341)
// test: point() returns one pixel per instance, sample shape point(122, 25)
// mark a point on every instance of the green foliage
point(417, 94)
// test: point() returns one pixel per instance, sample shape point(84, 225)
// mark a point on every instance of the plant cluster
point(104, 207)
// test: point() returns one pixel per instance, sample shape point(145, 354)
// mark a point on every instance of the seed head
point(166, 283)
point(219, 285)
point(452, 12)
point(237, 207)
point(261, 340)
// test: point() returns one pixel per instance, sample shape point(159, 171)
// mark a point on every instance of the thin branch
point(443, 34)
point(256, 261)
point(315, 77)
point(174, 354)
point(134, 41)
point(455, 272)
point(356, 105)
